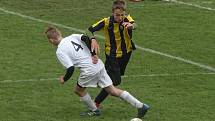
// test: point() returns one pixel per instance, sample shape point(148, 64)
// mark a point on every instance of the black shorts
point(116, 67)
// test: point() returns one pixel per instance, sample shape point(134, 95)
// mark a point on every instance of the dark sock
point(101, 96)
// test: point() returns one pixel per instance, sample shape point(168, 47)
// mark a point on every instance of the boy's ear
point(50, 40)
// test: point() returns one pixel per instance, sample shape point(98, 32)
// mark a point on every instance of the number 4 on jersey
point(76, 46)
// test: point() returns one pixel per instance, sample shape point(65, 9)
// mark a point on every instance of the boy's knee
point(79, 93)
point(76, 92)
point(114, 92)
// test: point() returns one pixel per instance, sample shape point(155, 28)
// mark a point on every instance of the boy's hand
point(61, 80)
point(95, 59)
point(94, 46)
point(128, 25)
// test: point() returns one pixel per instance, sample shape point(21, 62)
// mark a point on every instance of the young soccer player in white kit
point(74, 51)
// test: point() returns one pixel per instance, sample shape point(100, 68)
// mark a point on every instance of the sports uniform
point(73, 52)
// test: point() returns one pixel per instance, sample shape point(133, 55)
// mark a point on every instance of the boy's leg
point(124, 95)
point(123, 62)
point(103, 94)
point(142, 108)
point(113, 71)
point(101, 97)
point(86, 99)
point(115, 68)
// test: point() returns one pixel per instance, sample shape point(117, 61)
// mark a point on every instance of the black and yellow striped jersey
point(118, 39)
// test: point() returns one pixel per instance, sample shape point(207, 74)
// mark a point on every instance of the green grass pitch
point(176, 90)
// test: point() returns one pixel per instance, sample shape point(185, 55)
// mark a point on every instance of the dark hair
point(119, 4)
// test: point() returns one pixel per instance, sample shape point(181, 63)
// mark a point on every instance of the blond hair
point(119, 4)
point(52, 33)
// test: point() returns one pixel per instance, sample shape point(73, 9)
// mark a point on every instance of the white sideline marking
point(150, 75)
point(194, 5)
point(177, 58)
point(41, 21)
point(27, 80)
point(82, 31)
point(179, 74)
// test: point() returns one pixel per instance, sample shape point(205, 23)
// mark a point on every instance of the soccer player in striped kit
point(118, 43)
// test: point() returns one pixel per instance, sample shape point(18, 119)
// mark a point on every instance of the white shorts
point(100, 79)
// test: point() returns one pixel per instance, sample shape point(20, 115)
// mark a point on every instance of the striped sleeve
point(97, 26)
point(130, 19)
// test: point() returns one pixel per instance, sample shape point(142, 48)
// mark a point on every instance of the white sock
point(130, 99)
point(88, 102)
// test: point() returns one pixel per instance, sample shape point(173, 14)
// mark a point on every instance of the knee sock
point(88, 102)
point(130, 99)
point(101, 96)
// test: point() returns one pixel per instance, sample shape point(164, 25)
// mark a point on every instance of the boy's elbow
point(91, 29)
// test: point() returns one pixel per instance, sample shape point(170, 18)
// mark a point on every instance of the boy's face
point(118, 15)
point(53, 41)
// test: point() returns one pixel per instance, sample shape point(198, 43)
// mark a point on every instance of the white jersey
point(72, 51)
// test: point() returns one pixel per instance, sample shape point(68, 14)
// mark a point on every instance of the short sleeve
point(64, 59)
point(100, 22)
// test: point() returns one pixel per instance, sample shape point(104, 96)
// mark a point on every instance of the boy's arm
point(129, 23)
point(96, 27)
point(88, 42)
point(68, 75)
point(67, 63)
